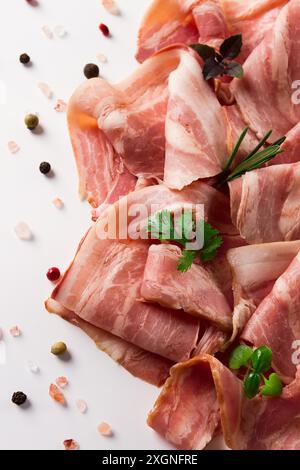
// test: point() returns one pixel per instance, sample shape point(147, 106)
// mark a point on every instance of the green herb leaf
point(185, 262)
point(161, 226)
point(212, 69)
point(273, 386)
point(251, 384)
point(231, 47)
point(234, 69)
point(262, 359)
point(212, 242)
point(204, 51)
point(240, 356)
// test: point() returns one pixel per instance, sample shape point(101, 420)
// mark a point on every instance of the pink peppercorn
point(104, 29)
point(53, 274)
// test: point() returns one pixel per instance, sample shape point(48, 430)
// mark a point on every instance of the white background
point(111, 393)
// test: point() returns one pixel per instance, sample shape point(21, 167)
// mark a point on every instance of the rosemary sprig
point(255, 159)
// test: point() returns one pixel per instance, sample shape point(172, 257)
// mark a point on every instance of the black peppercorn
point(24, 58)
point(19, 398)
point(91, 71)
point(45, 168)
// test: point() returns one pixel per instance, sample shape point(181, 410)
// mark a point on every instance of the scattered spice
point(45, 168)
point(53, 274)
point(60, 106)
point(24, 58)
point(58, 348)
point(47, 31)
point(81, 405)
point(70, 444)
point(19, 398)
point(23, 231)
point(104, 29)
point(31, 121)
point(15, 331)
point(45, 89)
point(13, 147)
point(62, 381)
point(58, 203)
point(91, 71)
point(104, 429)
point(56, 394)
point(111, 6)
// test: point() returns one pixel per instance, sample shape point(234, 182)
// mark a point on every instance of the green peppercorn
point(31, 121)
point(24, 59)
point(58, 348)
point(19, 398)
point(91, 71)
point(45, 168)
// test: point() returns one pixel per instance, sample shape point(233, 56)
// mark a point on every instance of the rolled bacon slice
point(265, 204)
point(194, 291)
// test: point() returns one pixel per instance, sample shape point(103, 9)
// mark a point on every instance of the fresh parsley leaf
point(240, 356)
point(234, 69)
point(184, 228)
point(185, 262)
point(204, 51)
point(273, 386)
point(262, 359)
point(212, 69)
point(212, 242)
point(231, 47)
point(161, 226)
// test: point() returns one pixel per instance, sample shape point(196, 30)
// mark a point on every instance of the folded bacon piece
point(265, 204)
point(142, 364)
point(255, 268)
point(194, 291)
point(202, 392)
point(264, 95)
point(276, 322)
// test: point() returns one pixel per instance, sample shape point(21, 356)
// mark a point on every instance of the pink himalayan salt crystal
point(102, 58)
point(56, 394)
point(47, 31)
point(13, 147)
point(111, 6)
point(81, 405)
point(70, 444)
point(104, 429)
point(23, 231)
point(15, 331)
point(62, 381)
point(60, 106)
point(45, 89)
point(58, 203)
point(60, 31)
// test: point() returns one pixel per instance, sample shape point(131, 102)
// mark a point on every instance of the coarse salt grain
point(13, 147)
point(70, 444)
point(23, 231)
point(104, 429)
point(102, 58)
point(15, 331)
point(111, 6)
point(47, 31)
point(60, 106)
point(58, 203)
point(33, 367)
point(81, 405)
point(60, 31)
point(62, 381)
point(56, 394)
point(45, 89)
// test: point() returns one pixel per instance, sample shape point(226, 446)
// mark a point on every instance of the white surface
point(111, 393)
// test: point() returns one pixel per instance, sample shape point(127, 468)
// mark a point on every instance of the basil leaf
point(262, 359)
point(231, 47)
point(234, 69)
point(212, 69)
point(273, 386)
point(251, 384)
point(204, 51)
point(240, 356)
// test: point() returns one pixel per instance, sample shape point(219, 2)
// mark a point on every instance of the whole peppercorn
point(24, 58)
point(104, 29)
point(19, 398)
point(58, 348)
point(45, 168)
point(31, 121)
point(91, 71)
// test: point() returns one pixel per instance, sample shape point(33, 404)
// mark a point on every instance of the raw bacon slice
point(255, 268)
point(194, 291)
point(291, 147)
point(142, 364)
point(264, 95)
point(265, 204)
point(276, 321)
